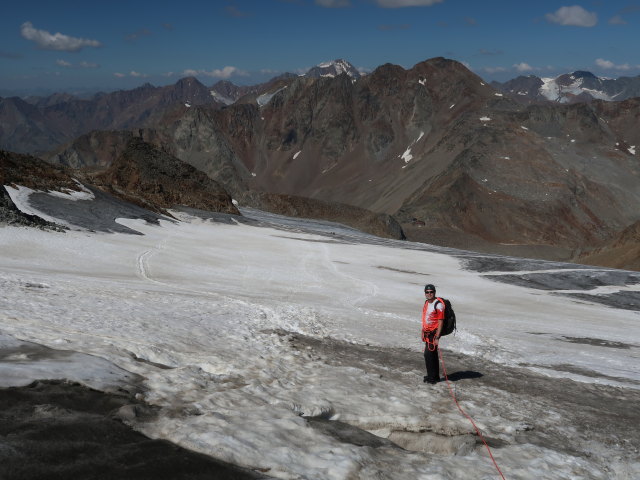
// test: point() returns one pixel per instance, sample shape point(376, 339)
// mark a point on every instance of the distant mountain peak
point(578, 86)
point(583, 74)
point(333, 69)
point(189, 81)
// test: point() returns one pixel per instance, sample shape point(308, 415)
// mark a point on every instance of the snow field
point(204, 312)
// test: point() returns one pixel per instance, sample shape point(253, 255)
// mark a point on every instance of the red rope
point(465, 414)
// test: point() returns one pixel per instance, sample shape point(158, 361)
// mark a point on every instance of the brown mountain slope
point(156, 180)
point(623, 251)
point(509, 186)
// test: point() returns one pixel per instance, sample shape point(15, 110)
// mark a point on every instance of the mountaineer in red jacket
point(432, 318)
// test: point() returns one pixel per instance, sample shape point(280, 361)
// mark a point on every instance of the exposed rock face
point(23, 124)
point(142, 175)
point(17, 169)
point(94, 149)
point(156, 180)
point(507, 185)
point(29, 171)
point(98, 149)
point(37, 128)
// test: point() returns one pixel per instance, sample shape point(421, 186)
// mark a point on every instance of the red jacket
point(430, 323)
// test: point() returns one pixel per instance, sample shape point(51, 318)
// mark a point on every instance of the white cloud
point(609, 65)
point(56, 41)
point(406, 3)
point(334, 3)
point(268, 71)
point(574, 16)
point(132, 37)
point(132, 73)
point(523, 67)
point(226, 72)
point(617, 20)
point(83, 64)
point(494, 69)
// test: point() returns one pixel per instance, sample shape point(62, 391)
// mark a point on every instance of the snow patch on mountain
point(265, 98)
point(20, 197)
point(83, 194)
point(333, 69)
point(221, 98)
point(407, 156)
point(553, 89)
point(549, 89)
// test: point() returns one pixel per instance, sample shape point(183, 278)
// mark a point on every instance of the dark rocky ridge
point(142, 175)
point(149, 177)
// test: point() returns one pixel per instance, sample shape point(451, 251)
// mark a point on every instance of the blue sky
point(67, 45)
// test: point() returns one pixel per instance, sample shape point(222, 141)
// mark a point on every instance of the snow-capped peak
point(564, 87)
point(333, 69)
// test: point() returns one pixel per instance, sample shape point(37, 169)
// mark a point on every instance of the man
point(432, 319)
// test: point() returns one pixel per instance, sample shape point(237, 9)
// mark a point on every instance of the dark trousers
point(431, 359)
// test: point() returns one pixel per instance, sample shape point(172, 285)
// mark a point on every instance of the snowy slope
point(218, 303)
point(564, 88)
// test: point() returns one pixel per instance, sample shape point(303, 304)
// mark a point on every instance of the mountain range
point(454, 160)
point(576, 87)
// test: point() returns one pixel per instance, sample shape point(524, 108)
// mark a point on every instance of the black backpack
point(449, 322)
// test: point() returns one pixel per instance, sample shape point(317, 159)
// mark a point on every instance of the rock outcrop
point(156, 180)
